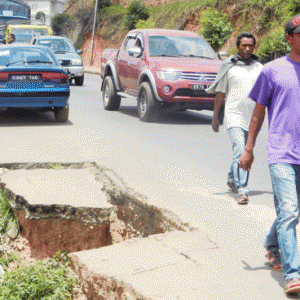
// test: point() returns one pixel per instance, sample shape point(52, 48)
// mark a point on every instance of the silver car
point(66, 54)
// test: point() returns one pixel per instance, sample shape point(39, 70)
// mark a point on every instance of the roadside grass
point(7, 215)
point(49, 279)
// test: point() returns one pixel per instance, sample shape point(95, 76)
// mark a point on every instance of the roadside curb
point(92, 71)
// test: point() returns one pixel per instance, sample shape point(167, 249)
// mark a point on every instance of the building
point(48, 7)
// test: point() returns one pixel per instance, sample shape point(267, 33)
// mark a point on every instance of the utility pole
point(93, 36)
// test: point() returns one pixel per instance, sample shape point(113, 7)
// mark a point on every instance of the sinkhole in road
point(78, 206)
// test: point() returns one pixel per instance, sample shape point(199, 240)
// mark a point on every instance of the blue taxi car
point(32, 78)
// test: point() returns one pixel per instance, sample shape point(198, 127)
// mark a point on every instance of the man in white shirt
point(238, 75)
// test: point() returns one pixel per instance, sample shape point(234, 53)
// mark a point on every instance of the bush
point(136, 10)
point(43, 280)
point(272, 46)
point(215, 27)
point(40, 16)
point(144, 24)
point(58, 22)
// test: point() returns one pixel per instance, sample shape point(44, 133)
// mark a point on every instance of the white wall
point(49, 7)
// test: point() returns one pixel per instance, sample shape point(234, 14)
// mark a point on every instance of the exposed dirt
point(20, 246)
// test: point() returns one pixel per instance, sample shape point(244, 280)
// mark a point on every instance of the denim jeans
point(238, 137)
point(282, 235)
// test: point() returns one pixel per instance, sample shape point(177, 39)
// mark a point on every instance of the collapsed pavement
point(78, 206)
point(82, 207)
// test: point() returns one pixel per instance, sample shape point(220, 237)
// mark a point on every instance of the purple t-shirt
point(278, 88)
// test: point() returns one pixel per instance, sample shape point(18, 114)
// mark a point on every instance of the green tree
point(40, 16)
point(272, 46)
point(58, 22)
point(215, 27)
point(136, 10)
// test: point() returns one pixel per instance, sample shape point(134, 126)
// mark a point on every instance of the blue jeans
point(282, 235)
point(238, 137)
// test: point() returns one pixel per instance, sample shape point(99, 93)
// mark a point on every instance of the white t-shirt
point(237, 84)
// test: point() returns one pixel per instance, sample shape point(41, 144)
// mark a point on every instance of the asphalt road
point(179, 163)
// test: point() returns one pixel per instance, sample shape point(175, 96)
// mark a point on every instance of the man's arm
point(219, 101)
point(257, 120)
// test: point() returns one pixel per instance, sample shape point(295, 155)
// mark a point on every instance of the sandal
point(242, 199)
point(274, 258)
point(292, 286)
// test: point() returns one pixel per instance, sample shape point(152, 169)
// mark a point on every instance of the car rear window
point(21, 56)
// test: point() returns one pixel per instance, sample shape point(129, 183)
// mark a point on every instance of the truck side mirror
point(135, 51)
point(222, 55)
point(79, 51)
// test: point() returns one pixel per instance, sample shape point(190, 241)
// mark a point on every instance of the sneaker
point(232, 186)
point(292, 286)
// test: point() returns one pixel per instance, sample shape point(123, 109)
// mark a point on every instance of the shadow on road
point(188, 117)
point(26, 117)
point(251, 193)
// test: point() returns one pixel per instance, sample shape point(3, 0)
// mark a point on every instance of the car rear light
point(4, 76)
point(55, 77)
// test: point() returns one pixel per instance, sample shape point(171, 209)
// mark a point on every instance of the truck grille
point(197, 76)
point(191, 93)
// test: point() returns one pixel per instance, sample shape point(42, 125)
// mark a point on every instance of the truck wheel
point(111, 101)
point(79, 80)
point(148, 106)
point(61, 113)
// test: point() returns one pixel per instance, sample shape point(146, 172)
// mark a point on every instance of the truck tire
point(79, 80)
point(61, 114)
point(148, 106)
point(111, 101)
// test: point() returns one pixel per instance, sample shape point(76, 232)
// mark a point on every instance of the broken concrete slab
point(77, 206)
point(146, 268)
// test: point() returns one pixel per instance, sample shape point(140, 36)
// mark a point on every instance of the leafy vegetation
point(47, 280)
point(272, 46)
point(228, 18)
point(215, 27)
point(42, 280)
point(58, 22)
point(40, 16)
point(136, 10)
point(7, 214)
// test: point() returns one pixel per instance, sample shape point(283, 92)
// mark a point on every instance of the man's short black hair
point(12, 36)
point(245, 35)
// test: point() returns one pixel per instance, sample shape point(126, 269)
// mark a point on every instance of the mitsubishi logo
point(201, 77)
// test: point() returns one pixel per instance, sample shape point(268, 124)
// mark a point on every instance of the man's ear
point(288, 38)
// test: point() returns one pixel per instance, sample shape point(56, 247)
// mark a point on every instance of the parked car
point(66, 54)
point(31, 77)
point(162, 69)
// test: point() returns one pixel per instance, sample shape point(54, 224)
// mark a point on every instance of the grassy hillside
point(264, 18)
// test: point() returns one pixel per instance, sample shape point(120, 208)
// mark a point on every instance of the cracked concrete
point(78, 206)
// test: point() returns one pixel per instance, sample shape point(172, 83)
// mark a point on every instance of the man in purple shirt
point(278, 89)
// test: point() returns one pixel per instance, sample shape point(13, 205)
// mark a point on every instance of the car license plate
point(199, 87)
point(25, 77)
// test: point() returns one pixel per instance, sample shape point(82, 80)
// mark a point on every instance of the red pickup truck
point(162, 69)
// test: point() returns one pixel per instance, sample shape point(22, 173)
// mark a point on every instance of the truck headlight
point(168, 75)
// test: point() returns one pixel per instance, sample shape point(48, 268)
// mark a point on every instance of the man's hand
point(215, 124)
point(246, 160)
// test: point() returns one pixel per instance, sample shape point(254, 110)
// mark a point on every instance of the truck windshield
point(179, 46)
